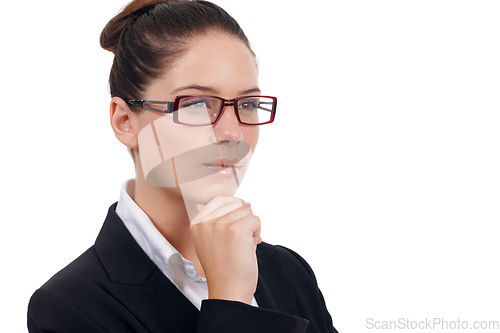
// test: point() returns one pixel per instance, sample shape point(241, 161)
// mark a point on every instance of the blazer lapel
point(138, 284)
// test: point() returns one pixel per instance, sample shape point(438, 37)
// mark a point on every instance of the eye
point(249, 104)
point(193, 102)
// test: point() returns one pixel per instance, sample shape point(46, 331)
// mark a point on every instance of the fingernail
point(245, 203)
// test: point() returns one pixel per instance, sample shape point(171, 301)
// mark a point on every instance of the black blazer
point(115, 287)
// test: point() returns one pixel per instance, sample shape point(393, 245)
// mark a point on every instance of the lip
point(224, 166)
point(223, 170)
point(225, 163)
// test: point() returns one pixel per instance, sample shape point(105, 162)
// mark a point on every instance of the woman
point(179, 252)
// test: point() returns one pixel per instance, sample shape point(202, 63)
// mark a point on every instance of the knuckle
point(233, 229)
point(246, 209)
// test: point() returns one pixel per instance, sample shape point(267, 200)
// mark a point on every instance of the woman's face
point(194, 159)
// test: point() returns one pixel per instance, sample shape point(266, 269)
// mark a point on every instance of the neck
point(166, 209)
point(163, 206)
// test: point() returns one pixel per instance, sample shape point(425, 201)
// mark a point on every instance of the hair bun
point(110, 35)
point(147, 37)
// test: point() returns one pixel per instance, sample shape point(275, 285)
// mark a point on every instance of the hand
point(225, 234)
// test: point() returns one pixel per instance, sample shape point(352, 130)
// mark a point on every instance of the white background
point(382, 168)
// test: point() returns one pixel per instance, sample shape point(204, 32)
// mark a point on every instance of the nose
point(227, 126)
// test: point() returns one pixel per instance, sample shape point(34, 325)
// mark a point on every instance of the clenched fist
point(225, 234)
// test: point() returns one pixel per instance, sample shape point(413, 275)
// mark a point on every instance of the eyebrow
point(214, 91)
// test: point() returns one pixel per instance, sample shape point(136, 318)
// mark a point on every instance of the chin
point(203, 190)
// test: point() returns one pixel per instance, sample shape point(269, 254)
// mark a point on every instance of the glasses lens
point(198, 110)
point(256, 109)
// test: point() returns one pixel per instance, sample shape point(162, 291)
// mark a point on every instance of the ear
point(121, 122)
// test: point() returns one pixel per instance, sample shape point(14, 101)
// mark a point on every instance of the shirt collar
point(152, 242)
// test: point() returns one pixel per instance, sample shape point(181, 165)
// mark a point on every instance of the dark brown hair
point(148, 36)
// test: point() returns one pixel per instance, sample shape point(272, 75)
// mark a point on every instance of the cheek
point(167, 149)
point(142, 119)
point(251, 135)
point(174, 139)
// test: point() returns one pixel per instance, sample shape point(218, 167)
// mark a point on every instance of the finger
point(257, 240)
point(236, 215)
point(251, 224)
point(220, 201)
point(217, 207)
point(214, 204)
point(219, 212)
point(254, 228)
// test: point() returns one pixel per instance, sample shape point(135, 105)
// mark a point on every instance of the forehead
point(216, 60)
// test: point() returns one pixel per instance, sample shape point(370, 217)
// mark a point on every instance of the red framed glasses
point(201, 110)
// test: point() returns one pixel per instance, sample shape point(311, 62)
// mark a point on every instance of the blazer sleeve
point(220, 316)
point(50, 312)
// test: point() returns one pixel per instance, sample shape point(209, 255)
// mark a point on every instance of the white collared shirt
point(180, 271)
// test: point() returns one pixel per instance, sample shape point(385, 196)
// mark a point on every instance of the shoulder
point(292, 261)
point(80, 273)
point(56, 298)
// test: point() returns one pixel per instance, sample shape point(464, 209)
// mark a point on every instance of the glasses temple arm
point(263, 108)
point(142, 103)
